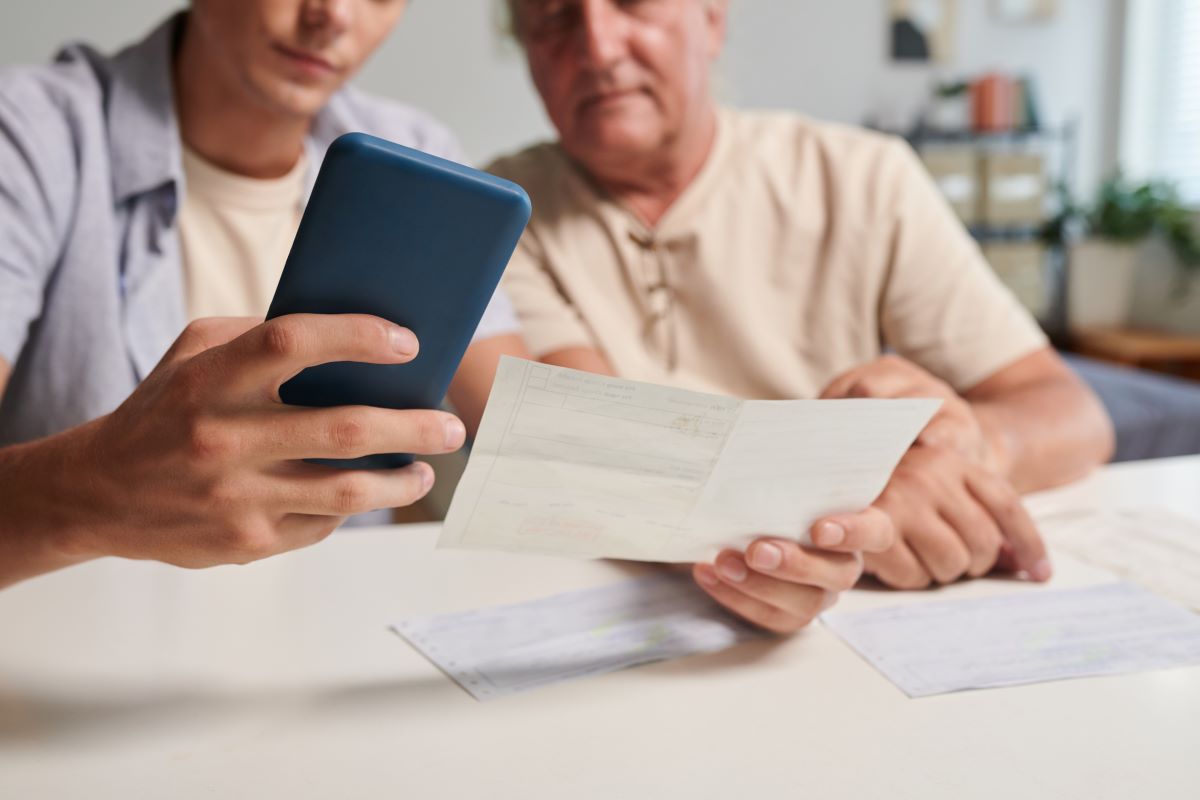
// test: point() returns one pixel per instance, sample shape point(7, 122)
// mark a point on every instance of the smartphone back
point(409, 237)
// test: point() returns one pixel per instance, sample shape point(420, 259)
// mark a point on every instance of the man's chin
point(295, 100)
point(611, 143)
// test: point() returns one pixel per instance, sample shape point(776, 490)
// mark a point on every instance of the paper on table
point(1155, 548)
point(1026, 637)
point(499, 651)
point(571, 463)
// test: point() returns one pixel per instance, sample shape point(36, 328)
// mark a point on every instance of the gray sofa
point(1155, 415)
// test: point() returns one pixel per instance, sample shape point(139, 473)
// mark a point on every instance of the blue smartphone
point(403, 235)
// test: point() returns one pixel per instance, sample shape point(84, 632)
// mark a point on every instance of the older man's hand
point(782, 586)
point(955, 425)
point(953, 515)
point(953, 518)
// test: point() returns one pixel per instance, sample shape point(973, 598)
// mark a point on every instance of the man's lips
point(310, 62)
point(594, 99)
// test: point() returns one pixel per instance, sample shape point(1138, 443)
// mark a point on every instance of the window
point(1160, 108)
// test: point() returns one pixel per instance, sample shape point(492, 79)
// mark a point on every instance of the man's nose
point(603, 30)
point(328, 18)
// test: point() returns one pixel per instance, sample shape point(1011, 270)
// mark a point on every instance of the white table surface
point(280, 679)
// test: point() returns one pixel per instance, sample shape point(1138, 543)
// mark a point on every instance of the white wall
point(829, 58)
point(824, 57)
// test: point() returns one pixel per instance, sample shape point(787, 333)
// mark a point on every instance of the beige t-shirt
point(235, 233)
point(800, 250)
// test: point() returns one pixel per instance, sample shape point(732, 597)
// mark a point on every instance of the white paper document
point(499, 651)
point(1029, 636)
point(1155, 548)
point(571, 463)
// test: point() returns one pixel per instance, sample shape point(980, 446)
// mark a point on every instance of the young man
point(771, 256)
point(162, 185)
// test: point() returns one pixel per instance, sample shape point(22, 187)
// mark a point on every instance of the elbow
point(1106, 434)
point(1098, 436)
point(1089, 437)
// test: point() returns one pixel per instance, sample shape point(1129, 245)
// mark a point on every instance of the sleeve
point(942, 305)
point(28, 223)
point(549, 322)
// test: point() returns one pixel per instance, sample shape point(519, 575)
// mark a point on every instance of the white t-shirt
point(235, 233)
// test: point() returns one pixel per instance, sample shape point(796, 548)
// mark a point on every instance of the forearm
point(42, 523)
point(473, 381)
point(1046, 432)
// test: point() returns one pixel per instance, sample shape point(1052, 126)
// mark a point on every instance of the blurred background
point(1065, 133)
point(828, 59)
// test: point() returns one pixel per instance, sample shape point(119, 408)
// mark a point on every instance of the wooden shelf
point(1173, 354)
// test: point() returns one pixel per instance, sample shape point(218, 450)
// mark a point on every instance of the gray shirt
point(91, 282)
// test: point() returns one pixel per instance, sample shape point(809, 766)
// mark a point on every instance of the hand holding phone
point(402, 235)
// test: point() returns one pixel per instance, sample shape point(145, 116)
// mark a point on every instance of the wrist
point(50, 519)
point(999, 447)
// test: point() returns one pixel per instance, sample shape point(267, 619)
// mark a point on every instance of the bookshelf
point(1003, 185)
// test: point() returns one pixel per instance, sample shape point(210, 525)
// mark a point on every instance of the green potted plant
point(1104, 263)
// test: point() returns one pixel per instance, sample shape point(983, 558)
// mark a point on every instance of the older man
point(772, 256)
point(162, 185)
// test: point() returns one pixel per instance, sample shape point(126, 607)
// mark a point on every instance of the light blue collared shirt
point(91, 282)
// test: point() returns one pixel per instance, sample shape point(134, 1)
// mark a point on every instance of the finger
point(304, 530)
point(840, 386)
point(955, 430)
point(800, 597)
point(254, 535)
point(884, 378)
point(327, 491)
point(205, 334)
point(977, 530)
point(870, 530)
point(752, 609)
point(1004, 559)
point(939, 549)
point(278, 349)
point(898, 568)
point(943, 431)
point(783, 560)
point(1002, 503)
point(890, 384)
point(349, 432)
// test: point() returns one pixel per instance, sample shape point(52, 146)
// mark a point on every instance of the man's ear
point(716, 13)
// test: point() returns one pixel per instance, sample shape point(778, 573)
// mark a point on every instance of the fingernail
point(706, 577)
point(427, 478)
point(829, 534)
point(1041, 570)
point(403, 340)
point(732, 569)
point(766, 556)
point(456, 434)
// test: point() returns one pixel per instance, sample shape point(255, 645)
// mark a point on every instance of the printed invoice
point(572, 463)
